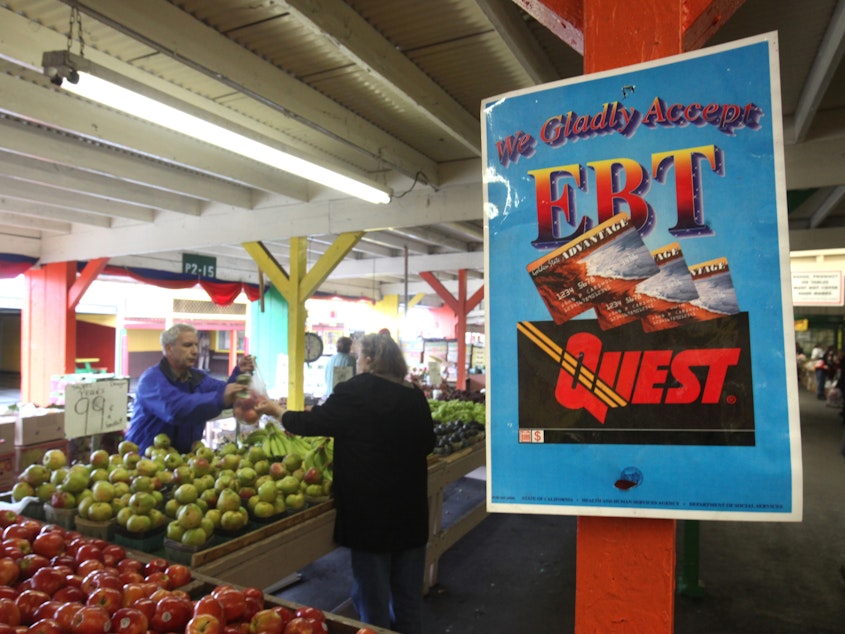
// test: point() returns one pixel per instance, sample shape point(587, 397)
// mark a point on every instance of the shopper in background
point(175, 398)
point(341, 359)
point(383, 434)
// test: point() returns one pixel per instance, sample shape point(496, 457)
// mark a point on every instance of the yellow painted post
point(296, 287)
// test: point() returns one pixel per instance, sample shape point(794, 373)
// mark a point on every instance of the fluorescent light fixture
point(59, 65)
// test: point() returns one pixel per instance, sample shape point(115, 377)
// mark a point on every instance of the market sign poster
point(639, 316)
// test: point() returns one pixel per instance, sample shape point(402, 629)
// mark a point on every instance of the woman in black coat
point(383, 433)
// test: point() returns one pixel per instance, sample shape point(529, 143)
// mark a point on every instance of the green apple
point(207, 525)
point(246, 476)
point(121, 488)
point(102, 491)
point(157, 518)
point(173, 459)
point(161, 441)
point(288, 485)
point(214, 516)
point(99, 511)
point(57, 476)
point(185, 493)
point(99, 474)
point(277, 470)
point(228, 500)
point(99, 459)
point(142, 503)
point(83, 506)
point(34, 475)
point(174, 531)
point(147, 467)
point(171, 507)
point(123, 516)
point(194, 537)
point(54, 459)
point(138, 523)
point(314, 490)
point(279, 505)
point(264, 509)
point(267, 491)
point(233, 520)
point(126, 446)
point(120, 474)
point(295, 501)
point(45, 490)
point(189, 516)
point(75, 481)
point(292, 461)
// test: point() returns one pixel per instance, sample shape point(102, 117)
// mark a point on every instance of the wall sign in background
point(639, 322)
point(817, 288)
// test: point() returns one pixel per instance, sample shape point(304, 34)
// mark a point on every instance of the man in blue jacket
point(175, 398)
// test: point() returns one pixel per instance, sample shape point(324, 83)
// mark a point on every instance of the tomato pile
point(56, 581)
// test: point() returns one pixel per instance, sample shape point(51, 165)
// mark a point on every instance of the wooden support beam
point(461, 306)
point(90, 273)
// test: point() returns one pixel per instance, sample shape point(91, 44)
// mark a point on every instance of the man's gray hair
point(170, 335)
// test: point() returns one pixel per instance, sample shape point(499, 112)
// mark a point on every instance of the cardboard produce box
point(39, 426)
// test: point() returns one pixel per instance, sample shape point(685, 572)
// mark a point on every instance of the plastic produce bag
point(254, 391)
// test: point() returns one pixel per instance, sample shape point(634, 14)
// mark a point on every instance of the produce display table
point(263, 557)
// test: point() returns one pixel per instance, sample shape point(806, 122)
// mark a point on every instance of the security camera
point(73, 76)
point(56, 80)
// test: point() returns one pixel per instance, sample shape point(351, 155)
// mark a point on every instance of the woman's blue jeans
point(387, 588)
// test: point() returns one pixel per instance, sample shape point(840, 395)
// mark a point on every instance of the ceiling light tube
point(61, 65)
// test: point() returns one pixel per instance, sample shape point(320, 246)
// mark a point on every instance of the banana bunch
point(275, 441)
point(320, 455)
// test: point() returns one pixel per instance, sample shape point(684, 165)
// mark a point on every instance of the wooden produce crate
point(207, 556)
point(202, 584)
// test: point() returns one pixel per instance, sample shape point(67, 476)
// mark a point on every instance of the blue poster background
point(744, 208)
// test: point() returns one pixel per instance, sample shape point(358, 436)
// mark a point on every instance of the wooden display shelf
point(441, 473)
point(263, 557)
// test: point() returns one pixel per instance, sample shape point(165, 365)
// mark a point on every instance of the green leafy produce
point(463, 411)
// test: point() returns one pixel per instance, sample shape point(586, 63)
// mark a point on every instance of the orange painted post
point(625, 567)
point(48, 329)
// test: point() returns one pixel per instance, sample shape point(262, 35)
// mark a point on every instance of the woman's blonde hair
point(386, 356)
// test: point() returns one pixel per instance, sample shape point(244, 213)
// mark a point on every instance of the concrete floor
point(516, 573)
